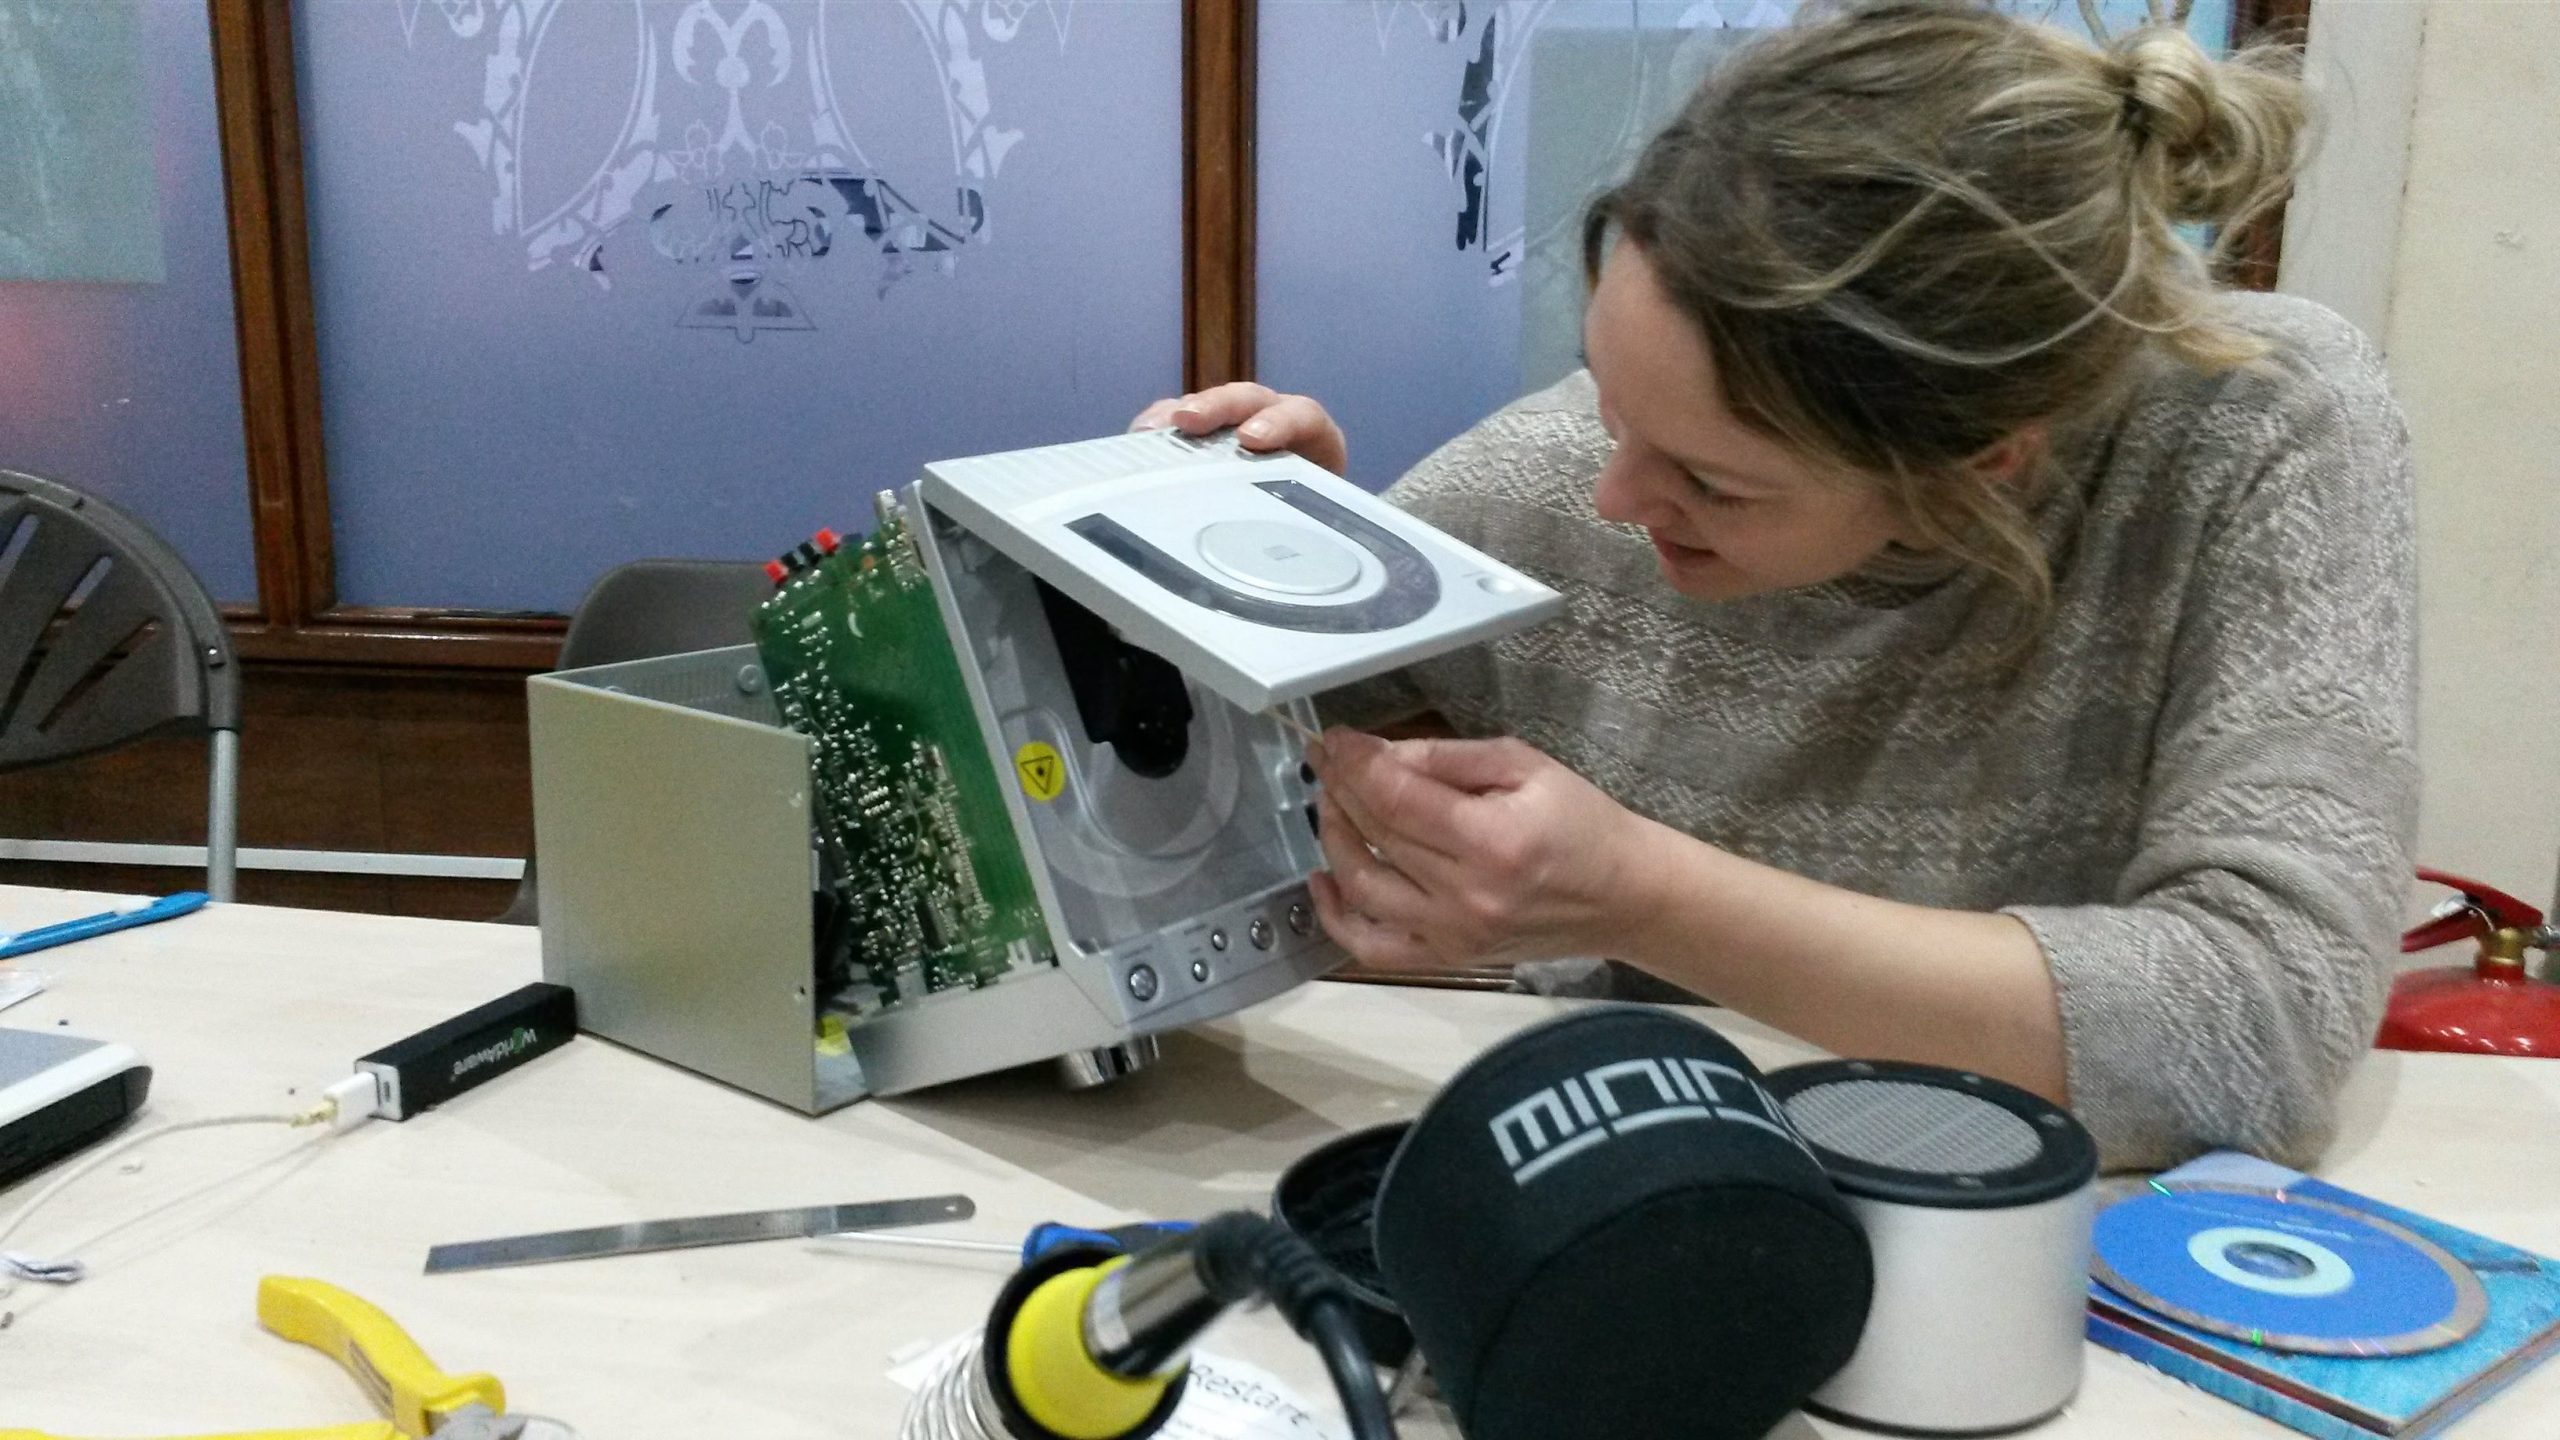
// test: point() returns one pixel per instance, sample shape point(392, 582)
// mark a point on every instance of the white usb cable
point(341, 1107)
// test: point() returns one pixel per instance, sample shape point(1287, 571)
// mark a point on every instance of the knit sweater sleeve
point(1510, 485)
point(2224, 996)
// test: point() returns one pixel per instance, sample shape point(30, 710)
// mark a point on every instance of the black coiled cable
point(1241, 1255)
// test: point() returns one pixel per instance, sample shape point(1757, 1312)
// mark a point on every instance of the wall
point(2467, 312)
point(124, 379)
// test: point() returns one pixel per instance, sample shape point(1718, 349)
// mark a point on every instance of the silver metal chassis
point(672, 813)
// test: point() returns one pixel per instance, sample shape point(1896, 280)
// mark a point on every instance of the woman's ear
point(2009, 459)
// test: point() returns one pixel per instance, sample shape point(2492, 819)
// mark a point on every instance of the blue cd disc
point(2285, 1272)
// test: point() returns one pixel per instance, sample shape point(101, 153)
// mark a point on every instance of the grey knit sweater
point(2198, 789)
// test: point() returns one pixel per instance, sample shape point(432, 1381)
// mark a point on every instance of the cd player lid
point(1264, 577)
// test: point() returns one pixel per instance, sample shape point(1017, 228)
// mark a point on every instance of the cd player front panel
point(1264, 576)
point(1169, 831)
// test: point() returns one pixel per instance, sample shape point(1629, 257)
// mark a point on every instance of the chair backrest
point(105, 635)
point(644, 609)
point(664, 607)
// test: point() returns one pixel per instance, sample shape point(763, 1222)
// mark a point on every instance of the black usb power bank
point(471, 1049)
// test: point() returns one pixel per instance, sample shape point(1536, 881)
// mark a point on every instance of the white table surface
point(249, 1008)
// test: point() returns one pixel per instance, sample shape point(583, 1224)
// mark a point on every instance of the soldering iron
point(1088, 1343)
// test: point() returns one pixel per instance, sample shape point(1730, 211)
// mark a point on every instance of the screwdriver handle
point(373, 1348)
point(1050, 1235)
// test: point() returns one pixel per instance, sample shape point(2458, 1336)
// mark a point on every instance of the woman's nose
point(1624, 495)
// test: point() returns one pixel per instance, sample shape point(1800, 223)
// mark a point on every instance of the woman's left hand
point(1443, 853)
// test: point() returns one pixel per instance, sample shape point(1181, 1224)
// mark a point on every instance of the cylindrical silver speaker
point(1977, 1198)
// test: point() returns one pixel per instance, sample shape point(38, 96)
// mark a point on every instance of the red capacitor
point(776, 571)
point(828, 541)
point(2489, 1007)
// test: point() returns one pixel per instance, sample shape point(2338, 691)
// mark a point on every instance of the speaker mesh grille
point(1917, 1128)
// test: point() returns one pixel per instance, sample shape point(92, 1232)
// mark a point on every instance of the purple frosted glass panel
point(1423, 167)
point(599, 280)
point(132, 391)
point(1422, 164)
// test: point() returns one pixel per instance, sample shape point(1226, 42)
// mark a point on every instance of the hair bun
point(2219, 135)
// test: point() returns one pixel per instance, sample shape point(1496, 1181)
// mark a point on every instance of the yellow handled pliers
point(421, 1400)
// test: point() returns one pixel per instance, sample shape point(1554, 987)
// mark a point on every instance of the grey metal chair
point(107, 637)
point(645, 609)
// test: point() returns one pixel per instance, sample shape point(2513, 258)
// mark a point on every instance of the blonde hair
point(1910, 230)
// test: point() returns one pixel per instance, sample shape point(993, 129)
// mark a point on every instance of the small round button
point(1299, 920)
point(1282, 558)
point(1218, 940)
point(1200, 970)
point(1142, 983)
point(1260, 933)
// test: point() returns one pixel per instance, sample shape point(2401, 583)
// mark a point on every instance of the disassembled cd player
point(1034, 726)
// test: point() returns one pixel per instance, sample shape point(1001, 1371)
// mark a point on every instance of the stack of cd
point(2285, 1272)
point(2313, 1305)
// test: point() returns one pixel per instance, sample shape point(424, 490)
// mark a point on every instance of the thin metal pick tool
point(923, 1242)
point(1296, 726)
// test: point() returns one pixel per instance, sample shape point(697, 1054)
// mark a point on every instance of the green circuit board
point(929, 886)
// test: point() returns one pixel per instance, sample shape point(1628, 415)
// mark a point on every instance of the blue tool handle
point(1051, 1235)
point(168, 907)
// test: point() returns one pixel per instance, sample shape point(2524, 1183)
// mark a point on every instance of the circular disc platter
point(2285, 1271)
point(1281, 558)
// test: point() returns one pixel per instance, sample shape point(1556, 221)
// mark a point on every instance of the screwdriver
point(1045, 1237)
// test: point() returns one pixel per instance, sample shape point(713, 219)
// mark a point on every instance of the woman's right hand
point(1264, 419)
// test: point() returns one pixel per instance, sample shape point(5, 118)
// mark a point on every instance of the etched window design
point(119, 359)
point(600, 279)
point(1423, 166)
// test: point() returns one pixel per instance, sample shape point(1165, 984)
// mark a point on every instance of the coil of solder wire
point(954, 1402)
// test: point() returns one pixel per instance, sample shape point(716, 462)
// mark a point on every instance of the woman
point(1989, 645)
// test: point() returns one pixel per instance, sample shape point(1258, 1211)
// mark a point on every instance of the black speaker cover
point(1330, 1197)
point(1605, 1227)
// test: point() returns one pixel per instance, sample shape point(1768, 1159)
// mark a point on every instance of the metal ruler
point(641, 1236)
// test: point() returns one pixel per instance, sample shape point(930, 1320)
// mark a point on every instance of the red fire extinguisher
point(2489, 1007)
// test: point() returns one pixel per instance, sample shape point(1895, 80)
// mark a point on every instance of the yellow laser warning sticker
point(1044, 775)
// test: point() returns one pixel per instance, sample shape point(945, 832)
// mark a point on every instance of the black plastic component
point(76, 1121)
point(1129, 699)
point(471, 1049)
point(1330, 1198)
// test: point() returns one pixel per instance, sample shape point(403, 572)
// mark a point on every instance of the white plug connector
point(352, 1101)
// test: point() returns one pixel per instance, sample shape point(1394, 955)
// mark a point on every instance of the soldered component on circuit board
point(934, 890)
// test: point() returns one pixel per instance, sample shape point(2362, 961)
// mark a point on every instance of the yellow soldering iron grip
point(364, 1431)
point(369, 1430)
point(375, 1350)
point(1056, 1380)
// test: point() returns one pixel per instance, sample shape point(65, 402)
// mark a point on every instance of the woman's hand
point(1264, 419)
point(1444, 853)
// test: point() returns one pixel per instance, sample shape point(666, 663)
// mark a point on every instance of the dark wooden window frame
point(298, 618)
